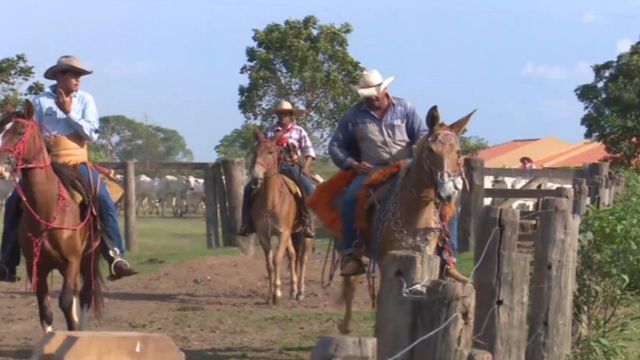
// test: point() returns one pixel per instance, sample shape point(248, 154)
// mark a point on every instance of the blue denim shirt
point(362, 136)
point(82, 119)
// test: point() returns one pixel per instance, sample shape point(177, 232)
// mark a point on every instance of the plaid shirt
point(296, 136)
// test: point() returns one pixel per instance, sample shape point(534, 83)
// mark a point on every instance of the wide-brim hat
point(526, 158)
point(285, 107)
point(372, 83)
point(66, 63)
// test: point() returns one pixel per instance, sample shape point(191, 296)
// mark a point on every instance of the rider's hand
point(362, 167)
point(63, 101)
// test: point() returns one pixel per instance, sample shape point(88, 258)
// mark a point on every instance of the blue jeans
point(108, 214)
point(453, 231)
point(349, 204)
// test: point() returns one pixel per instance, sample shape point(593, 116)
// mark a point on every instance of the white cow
point(195, 198)
point(173, 190)
point(147, 195)
point(6, 188)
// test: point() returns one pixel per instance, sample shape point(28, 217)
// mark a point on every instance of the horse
point(273, 212)
point(54, 232)
point(420, 203)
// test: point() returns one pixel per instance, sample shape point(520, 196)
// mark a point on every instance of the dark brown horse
point(273, 212)
point(54, 233)
point(420, 206)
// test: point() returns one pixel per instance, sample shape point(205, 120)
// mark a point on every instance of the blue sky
point(176, 64)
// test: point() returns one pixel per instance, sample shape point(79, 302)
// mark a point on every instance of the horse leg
point(44, 302)
point(348, 290)
point(268, 256)
point(277, 262)
point(68, 295)
point(305, 247)
point(293, 269)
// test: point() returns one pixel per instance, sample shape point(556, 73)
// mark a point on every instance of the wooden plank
point(471, 203)
point(130, 207)
point(554, 281)
point(235, 178)
point(548, 173)
point(502, 283)
point(223, 209)
point(525, 193)
point(211, 209)
point(532, 184)
point(147, 165)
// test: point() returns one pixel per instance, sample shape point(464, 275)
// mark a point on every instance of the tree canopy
point(125, 139)
point(15, 73)
point(612, 106)
point(305, 63)
point(472, 145)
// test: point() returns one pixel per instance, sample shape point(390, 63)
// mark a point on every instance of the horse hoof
point(343, 328)
point(300, 297)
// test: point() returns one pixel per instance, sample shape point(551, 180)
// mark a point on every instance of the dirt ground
point(213, 308)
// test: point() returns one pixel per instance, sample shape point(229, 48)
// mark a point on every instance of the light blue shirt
point(83, 118)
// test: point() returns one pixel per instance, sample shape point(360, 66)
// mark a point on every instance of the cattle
point(147, 195)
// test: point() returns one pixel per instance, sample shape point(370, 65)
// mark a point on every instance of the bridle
point(272, 167)
point(18, 151)
point(449, 180)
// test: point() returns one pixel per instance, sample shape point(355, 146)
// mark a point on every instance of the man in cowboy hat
point(70, 119)
point(378, 130)
point(298, 155)
point(527, 163)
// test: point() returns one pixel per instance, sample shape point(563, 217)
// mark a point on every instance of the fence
point(223, 183)
point(520, 306)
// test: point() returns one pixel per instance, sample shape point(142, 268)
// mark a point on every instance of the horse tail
point(92, 296)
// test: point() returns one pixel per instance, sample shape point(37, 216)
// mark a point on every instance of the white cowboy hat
point(285, 106)
point(66, 62)
point(372, 84)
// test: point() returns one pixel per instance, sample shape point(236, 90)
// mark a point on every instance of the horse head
point(21, 144)
point(266, 156)
point(438, 155)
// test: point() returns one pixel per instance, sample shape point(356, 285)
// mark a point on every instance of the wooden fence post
point(401, 320)
point(471, 203)
point(235, 178)
point(211, 209)
point(130, 207)
point(596, 174)
point(502, 282)
point(554, 281)
point(221, 196)
point(581, 196)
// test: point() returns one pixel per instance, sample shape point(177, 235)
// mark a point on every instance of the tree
point(471, 145)
point(125, 139)
point(15, 72)
point(305, 63)
point(240, 143)
point(611, 103)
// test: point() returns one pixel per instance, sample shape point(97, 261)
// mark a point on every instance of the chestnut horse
point(274, 211)
point(420, 206)
point(54, 233)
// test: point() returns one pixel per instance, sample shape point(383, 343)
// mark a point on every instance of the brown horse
point(273, 212)
point(420, 205)
point(54, 233)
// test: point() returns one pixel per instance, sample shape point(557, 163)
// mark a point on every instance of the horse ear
point(257, 132)
point(460, 126)
point(28, 109)
point(277, 137)
point(433, 118)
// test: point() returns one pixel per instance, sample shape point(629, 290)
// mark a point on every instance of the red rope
point(18, 152)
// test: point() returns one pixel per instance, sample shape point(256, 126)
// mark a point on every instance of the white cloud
point(579, 71)
point(590, 17)
point(623, 45)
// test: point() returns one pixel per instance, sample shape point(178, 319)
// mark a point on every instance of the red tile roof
point(497, 150)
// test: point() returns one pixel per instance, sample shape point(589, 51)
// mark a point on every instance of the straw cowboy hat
point(526, 158)
point(66, 63)
point(371, 83)
point(285, 107)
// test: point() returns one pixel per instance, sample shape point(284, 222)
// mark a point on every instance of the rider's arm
point(85, 123)
point(416, 127)
point(306, 148)
point(339, 143)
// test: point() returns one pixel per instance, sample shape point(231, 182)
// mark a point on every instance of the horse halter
point(448, 182)
point(17, 152)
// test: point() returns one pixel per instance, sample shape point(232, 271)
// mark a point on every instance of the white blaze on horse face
point(6, 127)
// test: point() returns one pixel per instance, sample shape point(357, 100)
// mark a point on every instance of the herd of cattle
point(174, 195)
